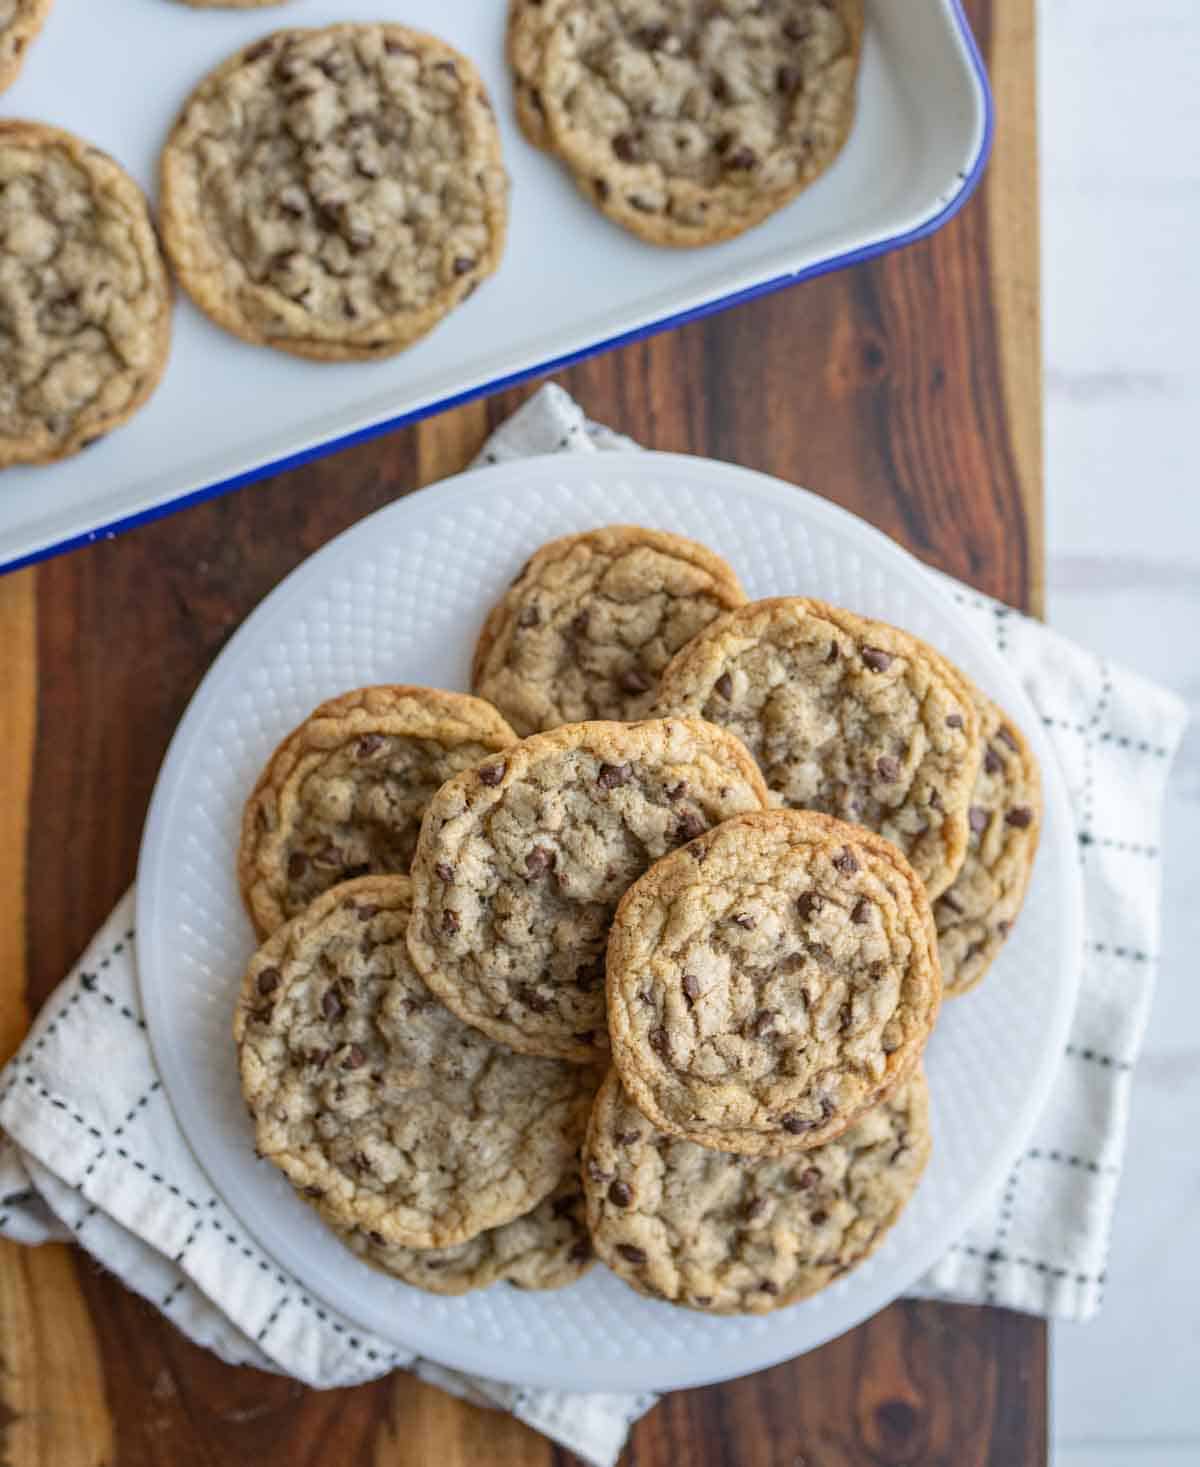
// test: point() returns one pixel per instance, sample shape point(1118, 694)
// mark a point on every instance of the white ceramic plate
point(400, 598)
point(117, 71)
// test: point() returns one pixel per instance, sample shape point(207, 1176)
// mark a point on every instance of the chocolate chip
point(534, 1001)
point(691, 987)
point(539, 860)
point(809, 904)
point(331, 1005)
point(690, 826)
point(725, 140)
point(743, 159)
point(832, 655)
point(613, 776)
point(297, 865)
point(1004, 928)
point(954, 720)
point(846, 862)
point(561, 1206)
point(1006, 736)
point(602, 188)
point(597, 1172)
point(450, 921)
point(1021, 817)
point(529, 617)
point(625, 146)
point(319, 1057)
point(313, 1192)
point(464, 264)
point(861, 912)
point(768, 1286)
point(620, 1193)
point(789, 80)
point(796, 1125)
point(630, 1253)
point(755, 1209)
point(888, 768)
point(745, 921)
point(977, 818)
point(992, 762)
point(356, 1057)
point(807, 1179)
point(579, 624)
point(724, 686)
point(268, 981)
point(659, 1040)
point(652, 36)
point(877, 659)
point(634, 681)
point(797, 30)
point(590, 975)
point(580, 1250)
point(627, 1138)
point(444, 872)
point(492, 774)
point(763, 1022)
point(377, 1238)
point(367, 911)
point(678, 792)
point(703, 1300)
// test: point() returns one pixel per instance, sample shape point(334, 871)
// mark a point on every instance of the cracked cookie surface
point(771, 982)
point(20, 21)
point(735, 1235)
point(383, 1110)
point(334, 193)
point(845, 715)
point(591, 621)
point(85, 303)
point(521, 863)
point(343, 794)
point(974, 915)
point(548, 1248)
point(684, 121)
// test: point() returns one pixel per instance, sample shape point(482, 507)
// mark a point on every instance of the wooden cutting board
point(908, 390)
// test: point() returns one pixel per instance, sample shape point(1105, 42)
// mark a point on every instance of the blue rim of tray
point(968, 183)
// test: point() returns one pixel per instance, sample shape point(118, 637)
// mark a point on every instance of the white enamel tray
point(400, 598)
point(117, 71)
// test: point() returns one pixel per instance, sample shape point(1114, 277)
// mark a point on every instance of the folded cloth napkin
point(93, 1153)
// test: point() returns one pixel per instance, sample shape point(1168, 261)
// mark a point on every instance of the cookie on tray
point(85, 301)
point(522, 861)
point(344, 794)
point(548, 1248)
point(688, 122)
point(591, 621)
point(382, 1109)
point(731, 1235)
point(334, 193)
point(845, 715)
point(20, 21)
point(771, 982)
point(976, 913)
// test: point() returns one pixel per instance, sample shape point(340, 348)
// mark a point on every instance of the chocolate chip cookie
point(522, 861)
point(546, 1249)
point(591, 621)
point(845, 715)
point(728, 1235)
point(85, 303)
point(334, 193)
point(344, 794)
point(382, 1109)
point(975, 914)
point(20, 21)
point(684, 121)
point(771, 982)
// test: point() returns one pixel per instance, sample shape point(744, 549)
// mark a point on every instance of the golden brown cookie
point(734, 1235)
point(771, 981)
point(20, 22)
point(975, 914)
point(548, 1248)
point(683, 121)
point(845, 715)
point(381, 1108)
point(334, 193)
point(85, 302)
point(344, 794)
point(522, 861)
point(590, 622)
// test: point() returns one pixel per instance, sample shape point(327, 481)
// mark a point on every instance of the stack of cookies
point(635, 952)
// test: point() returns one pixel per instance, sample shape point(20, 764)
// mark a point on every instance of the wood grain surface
point(907, 390)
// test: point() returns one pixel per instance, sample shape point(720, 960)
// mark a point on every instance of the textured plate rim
point(436, 499)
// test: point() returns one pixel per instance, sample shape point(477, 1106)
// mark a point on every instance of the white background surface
point(1120, 120)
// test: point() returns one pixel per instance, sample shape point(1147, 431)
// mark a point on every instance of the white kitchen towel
point(93, 1153)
